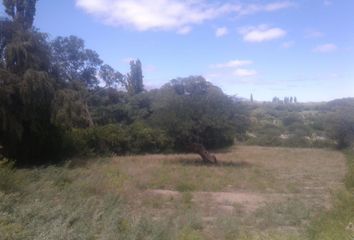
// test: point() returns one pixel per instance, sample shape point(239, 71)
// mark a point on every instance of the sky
point(302, 48)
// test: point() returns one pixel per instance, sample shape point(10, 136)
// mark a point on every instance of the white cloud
point(325, 48)
point(222, 31)
point(261, 33)
point(175, 15)
point(145, 15)
point(233, 68)
point(232, 64)
point(270, 7)
point(184, 30)
point(241, 72)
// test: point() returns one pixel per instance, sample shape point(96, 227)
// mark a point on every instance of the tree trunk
point(88, 116)
point(205, 155)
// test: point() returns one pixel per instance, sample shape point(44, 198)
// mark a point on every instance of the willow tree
point(26, 87)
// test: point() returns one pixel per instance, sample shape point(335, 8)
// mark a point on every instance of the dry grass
point(253, 193)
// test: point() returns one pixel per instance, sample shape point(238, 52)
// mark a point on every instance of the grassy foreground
point(337, 223)
point(253, 193)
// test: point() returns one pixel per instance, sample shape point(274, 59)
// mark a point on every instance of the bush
point(143, 139)
point(342, 129)
point(292, 118)
point(117, 139)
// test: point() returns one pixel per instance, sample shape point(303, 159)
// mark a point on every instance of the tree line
point(58, 99)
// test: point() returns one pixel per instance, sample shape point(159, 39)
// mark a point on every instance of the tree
point(110, 77)
point(26, 88)
point(133, 81)
point(21, 12)
point(198, 115)
point(286, 100)
point(76, 68)
point(74, 64)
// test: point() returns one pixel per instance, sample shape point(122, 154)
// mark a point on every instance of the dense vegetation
point(302, 124)
point(58, 99)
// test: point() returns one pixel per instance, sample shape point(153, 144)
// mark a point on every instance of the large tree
point(198, 115)
point(74, 63)
point(26, 87)
point(76, 69)
point(21, 12)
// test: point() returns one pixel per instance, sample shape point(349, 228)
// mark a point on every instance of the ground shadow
point(199, 162)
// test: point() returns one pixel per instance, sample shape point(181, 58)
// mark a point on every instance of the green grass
point(60, 202)
point(334, 224)
point(113, 198)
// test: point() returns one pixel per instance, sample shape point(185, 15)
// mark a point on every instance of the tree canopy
point(193, 110)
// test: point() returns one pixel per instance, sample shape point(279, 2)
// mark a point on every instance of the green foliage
point(110, 76)
point(349, 180)
point(114, 138)
point(342, 129)
point(70, 109)
point(26, 90)
point(134, 80)
point(22, 12)
point(291, 125)
point(192, 110)
point(291, 119)
point(73, 63)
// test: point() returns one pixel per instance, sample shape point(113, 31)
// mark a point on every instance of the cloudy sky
point(302, 48)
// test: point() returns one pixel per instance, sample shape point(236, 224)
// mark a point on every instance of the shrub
point(342, 129)
point(117, 139)
point(143, 139)
point(292, 118)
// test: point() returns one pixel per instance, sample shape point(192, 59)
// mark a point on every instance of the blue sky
point(279, 48)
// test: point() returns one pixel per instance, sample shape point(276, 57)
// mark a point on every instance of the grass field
point(253, 193)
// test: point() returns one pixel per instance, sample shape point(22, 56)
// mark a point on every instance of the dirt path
point(247, 202)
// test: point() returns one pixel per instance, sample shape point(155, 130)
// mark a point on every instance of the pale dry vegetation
point(253, 193)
